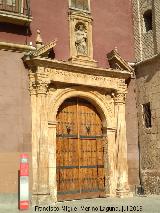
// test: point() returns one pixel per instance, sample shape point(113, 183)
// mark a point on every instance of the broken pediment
point(45, 50)
point(117, 62)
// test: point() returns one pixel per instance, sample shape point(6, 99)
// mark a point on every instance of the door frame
point(44, 131)
point(106, 113)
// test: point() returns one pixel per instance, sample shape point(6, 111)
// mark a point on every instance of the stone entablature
point(67, 73)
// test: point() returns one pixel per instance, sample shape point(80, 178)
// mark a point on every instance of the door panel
point(80, 157)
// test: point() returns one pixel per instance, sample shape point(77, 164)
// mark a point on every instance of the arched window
point(147, 17)
point(80, 4)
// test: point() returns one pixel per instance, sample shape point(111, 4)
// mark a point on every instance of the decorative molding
point(15, 18)
point(16, 47)
point(83, 79)
point(67, 66)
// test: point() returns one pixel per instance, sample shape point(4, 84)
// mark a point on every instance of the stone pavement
point(136, 204)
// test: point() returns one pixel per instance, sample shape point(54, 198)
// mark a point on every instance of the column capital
point(42, 81)
point(120, 98)
point(42, 88)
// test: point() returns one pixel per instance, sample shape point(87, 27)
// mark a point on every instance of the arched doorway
point(79, 151)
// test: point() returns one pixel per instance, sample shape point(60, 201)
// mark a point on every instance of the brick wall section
point(15, 118)
point(145, 42)
point(157, 24)
point(148, 90)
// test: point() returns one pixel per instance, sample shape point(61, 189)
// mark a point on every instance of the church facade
point(71, 98)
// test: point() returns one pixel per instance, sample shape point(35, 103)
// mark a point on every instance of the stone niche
point(81, 47)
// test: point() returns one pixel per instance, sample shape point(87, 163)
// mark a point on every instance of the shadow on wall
point(15, 29)
point(148, 70)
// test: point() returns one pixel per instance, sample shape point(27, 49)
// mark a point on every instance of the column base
point(111, 195)
point(43, 200)
point(123, 193)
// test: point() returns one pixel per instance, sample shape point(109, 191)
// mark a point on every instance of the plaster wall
point(51, 17)
point(132, 135)
point(148, 90)
point(15, 119)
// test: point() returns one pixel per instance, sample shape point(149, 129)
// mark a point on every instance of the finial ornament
point(39, 42)
point(116, 49)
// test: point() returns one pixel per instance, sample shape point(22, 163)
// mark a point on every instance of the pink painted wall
point(112, 27)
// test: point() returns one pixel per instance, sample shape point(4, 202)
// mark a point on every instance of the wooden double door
point(79, 151)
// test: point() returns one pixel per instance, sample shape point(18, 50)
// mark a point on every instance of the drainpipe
point(140, 188)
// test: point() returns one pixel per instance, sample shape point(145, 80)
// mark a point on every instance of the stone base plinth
point(43, 200)
point(123, 193)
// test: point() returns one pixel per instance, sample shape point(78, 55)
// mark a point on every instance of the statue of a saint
point(81, 40)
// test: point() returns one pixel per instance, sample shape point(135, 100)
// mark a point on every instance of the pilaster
point(52, 160)
point(121, 146)
point(111, 164)
point(40, 151)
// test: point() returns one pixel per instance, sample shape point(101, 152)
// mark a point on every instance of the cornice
point(68, 66)
point(16, 47)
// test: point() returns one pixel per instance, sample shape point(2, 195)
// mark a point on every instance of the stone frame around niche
point(75, 18)
point(77, 9)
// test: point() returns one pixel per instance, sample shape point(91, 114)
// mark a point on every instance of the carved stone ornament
point(120, 98)
point(117, 62)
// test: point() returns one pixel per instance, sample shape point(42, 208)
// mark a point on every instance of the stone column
point(121, 146)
